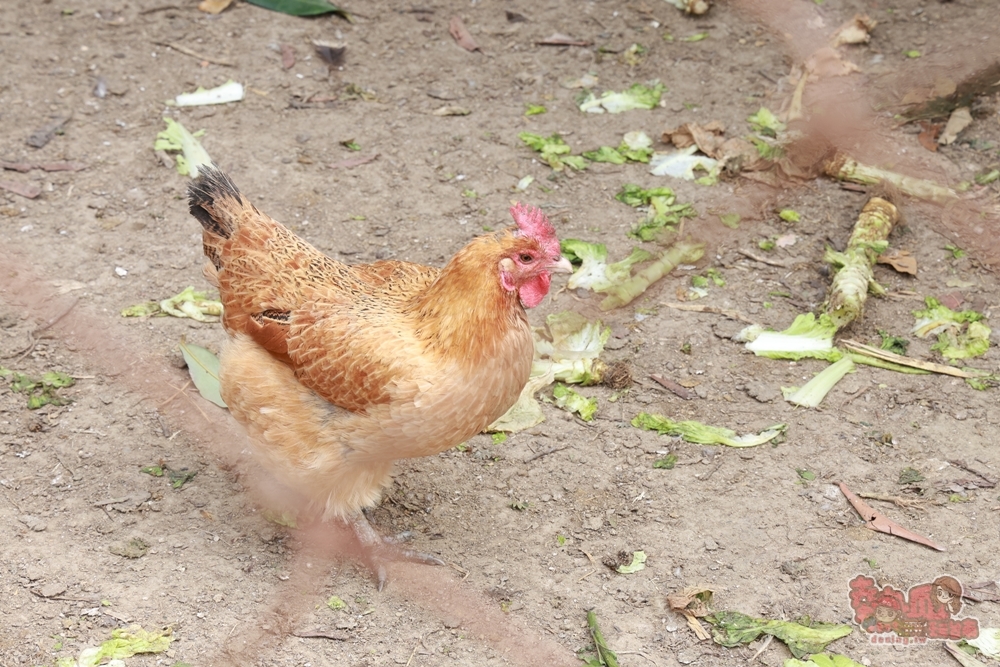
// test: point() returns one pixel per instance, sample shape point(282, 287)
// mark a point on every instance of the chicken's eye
point(526, 258)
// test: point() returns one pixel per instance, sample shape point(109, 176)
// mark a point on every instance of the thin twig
point(176, 394)
point(639, 653)
point(194, 54)
point(763, 647)
point(112, 501)
point(965, 466)
point(546, 452)
point(698, 308)
point(34, 334)
point(763, 260)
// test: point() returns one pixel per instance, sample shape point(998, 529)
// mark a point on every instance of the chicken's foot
point(381, 548)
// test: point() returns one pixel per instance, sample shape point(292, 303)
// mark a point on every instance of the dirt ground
point(239, 589)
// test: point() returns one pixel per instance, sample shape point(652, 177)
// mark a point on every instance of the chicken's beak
point(562, 266)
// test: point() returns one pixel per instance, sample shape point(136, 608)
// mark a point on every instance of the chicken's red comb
point(532, 222)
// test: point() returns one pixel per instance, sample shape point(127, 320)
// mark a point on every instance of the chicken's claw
point(381, 548)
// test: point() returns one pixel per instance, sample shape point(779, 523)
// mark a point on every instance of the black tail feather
point(211, 184)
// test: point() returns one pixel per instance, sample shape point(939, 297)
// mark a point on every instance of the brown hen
point(337, 371)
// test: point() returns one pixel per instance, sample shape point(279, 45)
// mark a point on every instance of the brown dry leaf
point(959, 120)
point(855, 31)
point(332, 53)
point(826, 62)
point(786, 240)
point(694, 599)
point(559, 39)
point(901, 260)
point(23, 189)
point(287, 56)
point(708, 137)
point(696, 626)
point(461, 35)
point(688, 382)
point(213, 6)
point(928, 136)
point(875, 520)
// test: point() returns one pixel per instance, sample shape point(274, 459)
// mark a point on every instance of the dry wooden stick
point(885, 355)
point(194, 54)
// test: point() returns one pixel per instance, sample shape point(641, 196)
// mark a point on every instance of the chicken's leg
point(381, 548)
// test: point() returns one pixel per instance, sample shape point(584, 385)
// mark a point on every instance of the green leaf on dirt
point(697, 37)
point(283, 518)
point(666, 463)
point(39, 391)
point(822, 660)
point(702, 434)
point(956, 252)
point(335, 603)
point(499, 438)
point(731, 628)
point(124, 643)
point(301, 7)
point(204, 369)
point(179, 478)
point(807, 475)
point(894, 344)
point(134, 548)
point(955, 341)
point(731, 220)
point(988, 177)
point(663, 210)
point(534, 109)
point(570, 400)
point(911, 53)
point(177, 138)
point(155, 471)
point(764, 122)
point(910, 476)
point(789, 215)
point(605, 656)
point(554, 151)
point(605, 154)
point(638, 563)
point(146, 309)
point(716, 276)
point(595, 273)
point(638, 96)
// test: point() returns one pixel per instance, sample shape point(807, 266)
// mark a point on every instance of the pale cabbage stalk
point(231, 91)
point(703, 434)
point(808, 337)
point(682, 252)
point(814, 391)
point(854, 277)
